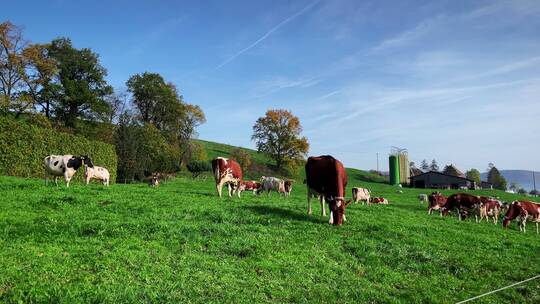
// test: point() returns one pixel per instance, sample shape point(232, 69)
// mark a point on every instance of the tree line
point(60, 86)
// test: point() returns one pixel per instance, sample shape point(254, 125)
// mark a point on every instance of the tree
point(278, 134)
point(451, 170)
point(522, 191)
point(434, 166)
point(80, 87)
point(156, 101)
point(12, 64)
point(198, 167)
point(514, 187)
point(495, 178)
point(534, 192)
point(24, 70)
point(424, 165)
point(474, 175)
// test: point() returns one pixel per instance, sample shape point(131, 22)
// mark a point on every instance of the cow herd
point(326, 180)
point(482, 207)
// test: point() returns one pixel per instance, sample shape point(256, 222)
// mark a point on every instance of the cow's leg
point(219, 187)
point(323, 207)
point(537, 228)
point(344, 217)
point(229, 187)
point(331, 220)
point(308, 202)
point(430, 211)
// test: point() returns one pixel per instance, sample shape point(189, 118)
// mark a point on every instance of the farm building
point(440, 180)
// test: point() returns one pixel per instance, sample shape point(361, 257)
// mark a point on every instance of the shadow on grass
point(283, 213)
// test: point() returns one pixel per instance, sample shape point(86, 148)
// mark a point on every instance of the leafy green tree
point(80, 88)
point(156, 101)
point(278, 134)
point(496, 179)
point(198, 167)
point(521, 191)
point(474, 175)
point(534, 192)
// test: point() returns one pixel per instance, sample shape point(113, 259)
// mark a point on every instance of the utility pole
point(534, 182)
point(377, 161)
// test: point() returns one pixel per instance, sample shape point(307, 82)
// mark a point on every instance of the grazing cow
point(524, 211)
point(226, 172)
point(463, 202)
point(95, 172)
point(423, 198)
point(437, 201)
point(360, 194)
point(64, 165)
point(327, 179)
point(490, 208)
point(153, 181)
point(288, 187)
point(378, 200)
point(272, 184)
point(249, 186)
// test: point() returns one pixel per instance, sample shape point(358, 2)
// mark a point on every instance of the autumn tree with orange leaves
point(278, 134)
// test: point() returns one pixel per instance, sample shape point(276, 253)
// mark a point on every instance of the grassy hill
point(263, 165)
point(181, 243)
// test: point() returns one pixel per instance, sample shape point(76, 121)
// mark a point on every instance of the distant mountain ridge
point(524, 178)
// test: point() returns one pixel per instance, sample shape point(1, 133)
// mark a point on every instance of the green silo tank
point(394, 170)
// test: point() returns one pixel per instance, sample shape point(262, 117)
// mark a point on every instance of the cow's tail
point(215, 169)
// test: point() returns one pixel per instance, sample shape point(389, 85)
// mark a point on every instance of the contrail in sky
point(270, 32)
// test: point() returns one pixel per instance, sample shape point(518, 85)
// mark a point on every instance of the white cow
point(423, 198)
point(360, 194)
point(95, 172)
point(272, 184)
point(64, 165)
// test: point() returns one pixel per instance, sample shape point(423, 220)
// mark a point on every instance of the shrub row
point(23, 146)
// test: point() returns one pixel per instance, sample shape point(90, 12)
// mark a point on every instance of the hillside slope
point(263, 165)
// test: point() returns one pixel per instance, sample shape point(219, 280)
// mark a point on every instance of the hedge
point(23, 146)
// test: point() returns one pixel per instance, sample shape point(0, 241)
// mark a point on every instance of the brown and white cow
point(437, 201)
point(98, 173)
point(524, 211)
point(64, 165)
point(288, 187)
point(464, 204)
point(378, 200)
point(360, 194)
point(226, 172)
point(254, 186)
point(326, 178)
point(490, 207)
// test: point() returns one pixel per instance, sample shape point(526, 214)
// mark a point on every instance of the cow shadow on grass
point(199, 193)
point(283, 213)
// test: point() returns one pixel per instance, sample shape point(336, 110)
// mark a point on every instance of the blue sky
point(458, 81)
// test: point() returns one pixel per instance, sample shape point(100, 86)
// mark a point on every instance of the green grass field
point(181, 243)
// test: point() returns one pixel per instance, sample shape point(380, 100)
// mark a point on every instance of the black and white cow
point(64, 165)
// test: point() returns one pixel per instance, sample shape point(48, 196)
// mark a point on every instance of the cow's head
point(86, 160)
point(337, 206)
point(288, 186)
point(513, 211)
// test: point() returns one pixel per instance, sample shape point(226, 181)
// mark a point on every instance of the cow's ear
point(347, 203)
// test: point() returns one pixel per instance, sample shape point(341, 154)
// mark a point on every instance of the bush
point(142, 151)
point(242, 157)
point(23, 146)
point(198, 167)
